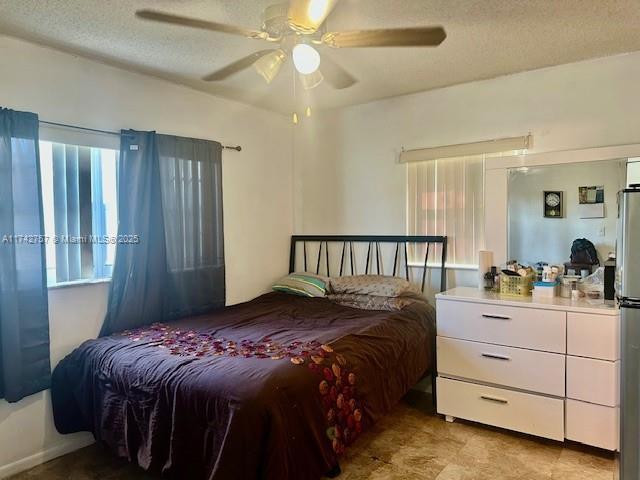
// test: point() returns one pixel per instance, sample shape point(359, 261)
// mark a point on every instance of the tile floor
point(407, 444)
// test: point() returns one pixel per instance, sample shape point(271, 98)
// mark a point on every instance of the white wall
point(257, 187)
point(347, 179)
point(534, 238)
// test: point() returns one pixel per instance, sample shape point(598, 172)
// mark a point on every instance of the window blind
point(72, 211)
point(446, 197)
point(79, 209)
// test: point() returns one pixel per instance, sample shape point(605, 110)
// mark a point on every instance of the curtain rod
point(237, 148)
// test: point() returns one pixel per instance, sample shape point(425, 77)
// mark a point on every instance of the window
point(80, 210)
point(191, 185)
point(446, 197)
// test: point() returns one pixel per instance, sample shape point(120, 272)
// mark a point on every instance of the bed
point(276, 388)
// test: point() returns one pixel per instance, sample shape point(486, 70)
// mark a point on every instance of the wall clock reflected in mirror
point(553, 205)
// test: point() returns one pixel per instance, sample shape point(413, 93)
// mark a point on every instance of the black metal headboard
point(374, 253)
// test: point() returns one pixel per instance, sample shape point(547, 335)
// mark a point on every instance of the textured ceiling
point(485, 39)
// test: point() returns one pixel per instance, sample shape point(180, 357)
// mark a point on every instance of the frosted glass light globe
point(305, 58)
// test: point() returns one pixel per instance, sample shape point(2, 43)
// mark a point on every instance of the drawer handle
point(494, 399)
point(495, 356)
point(499, 317)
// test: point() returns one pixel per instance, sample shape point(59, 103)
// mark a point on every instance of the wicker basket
point(516, 286)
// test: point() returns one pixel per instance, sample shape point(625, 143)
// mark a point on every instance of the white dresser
point(547, 367)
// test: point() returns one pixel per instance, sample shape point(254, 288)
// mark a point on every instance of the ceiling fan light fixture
point(269, 65)
point(311, 80)
point(305, 58)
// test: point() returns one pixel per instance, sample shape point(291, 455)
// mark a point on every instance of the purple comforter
point(273, 388)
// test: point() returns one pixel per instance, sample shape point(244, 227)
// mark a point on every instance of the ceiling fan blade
point(392, 37)
point(161, 17)
point(237, 66)
point(268, 66)
point(306, 16)
point(337, 76)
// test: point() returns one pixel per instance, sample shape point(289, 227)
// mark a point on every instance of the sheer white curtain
point(446, 197)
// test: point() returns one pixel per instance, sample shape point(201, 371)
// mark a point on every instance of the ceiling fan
point(295, 29)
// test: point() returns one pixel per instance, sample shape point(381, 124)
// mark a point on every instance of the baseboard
point(43, 456)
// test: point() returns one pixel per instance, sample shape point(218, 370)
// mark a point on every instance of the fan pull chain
point(294, 117)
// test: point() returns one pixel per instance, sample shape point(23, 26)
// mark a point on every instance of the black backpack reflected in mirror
point(584, 252)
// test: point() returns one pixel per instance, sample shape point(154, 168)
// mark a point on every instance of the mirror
point(551, 206)
point(633, 171)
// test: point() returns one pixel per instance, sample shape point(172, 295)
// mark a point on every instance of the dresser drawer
point(513, 326)
point(593, 424)
point(523, 412)
point(594, 381)
point(513, 367)
point(594, 336)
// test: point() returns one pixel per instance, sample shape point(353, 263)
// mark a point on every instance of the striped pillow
point(304, 284)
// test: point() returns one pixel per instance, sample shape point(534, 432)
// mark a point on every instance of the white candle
point(485, 262)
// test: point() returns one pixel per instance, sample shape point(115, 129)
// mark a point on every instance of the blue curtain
point(24, 312)
point(170, 207)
